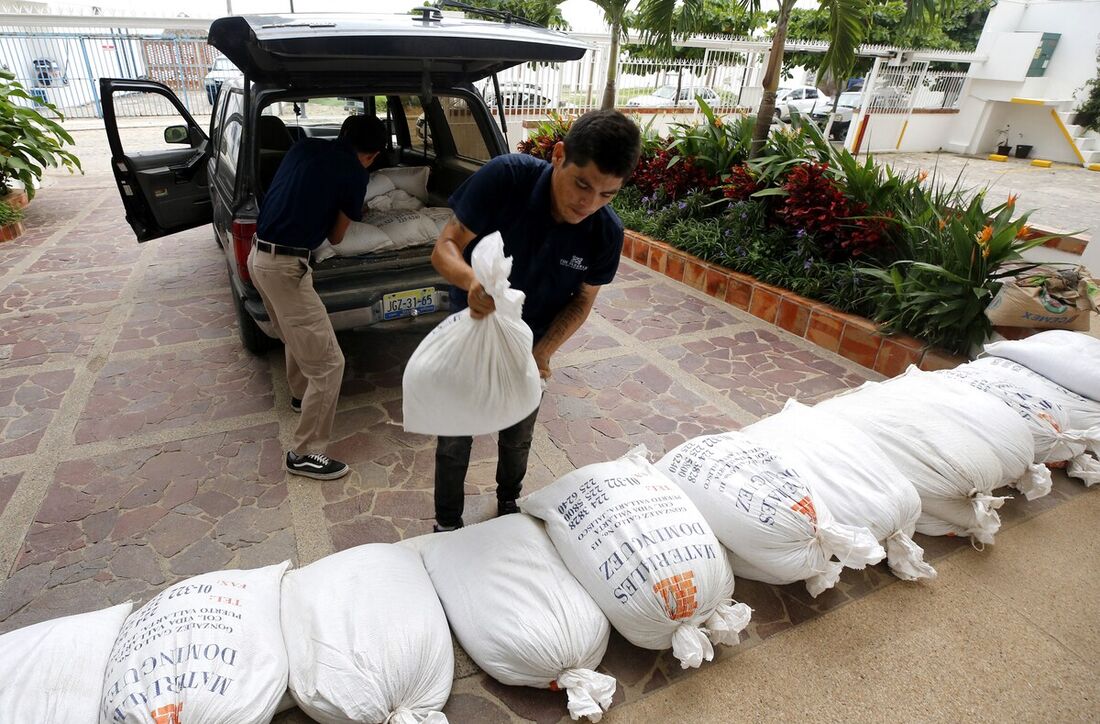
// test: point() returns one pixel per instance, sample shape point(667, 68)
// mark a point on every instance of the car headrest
point(273, 134)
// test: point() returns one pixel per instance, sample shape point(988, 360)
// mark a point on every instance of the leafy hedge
point(914, 253)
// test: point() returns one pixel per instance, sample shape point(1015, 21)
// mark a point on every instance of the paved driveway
point(140, 444)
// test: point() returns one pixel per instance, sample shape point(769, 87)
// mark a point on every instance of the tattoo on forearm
point(568, 321)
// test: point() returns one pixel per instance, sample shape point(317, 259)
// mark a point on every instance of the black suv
point(302, 74)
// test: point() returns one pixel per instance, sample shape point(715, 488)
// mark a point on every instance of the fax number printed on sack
point(409, 303)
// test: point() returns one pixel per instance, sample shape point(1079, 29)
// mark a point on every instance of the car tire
point(778, 114)
point(253, 338)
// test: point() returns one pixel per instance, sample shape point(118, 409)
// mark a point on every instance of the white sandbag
point(53, 671)
point(955, 444)
point(762, 509)
point(377, 185)
point(645, 554)
point(1083, 413)
point(413, 180)
point(1047, 420)
point(475, 376)
point(1069, 359)
point(849, 473)
point(438, 214)
point(207, 650)
point(518, 611)
point(367, 638)
point(396, 200)
point(404, 228)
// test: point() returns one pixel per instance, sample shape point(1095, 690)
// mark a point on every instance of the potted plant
point(1088, 111)
point(30, 140)
point(11, 225)
point(1002, 142)
point(1023, 150)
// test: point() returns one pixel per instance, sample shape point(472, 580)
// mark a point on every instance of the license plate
point(408, 303)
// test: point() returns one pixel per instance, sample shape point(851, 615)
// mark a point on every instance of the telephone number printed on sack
point(408, 303)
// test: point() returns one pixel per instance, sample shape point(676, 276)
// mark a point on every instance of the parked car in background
point(667, 97)
point(518, 95)
point(397, 67)
point(805, 99)
point(222, 70)
point(846, 106)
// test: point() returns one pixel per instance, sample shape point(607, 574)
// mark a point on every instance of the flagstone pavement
point(141, 444)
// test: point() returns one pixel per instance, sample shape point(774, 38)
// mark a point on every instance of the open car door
point(161, 172)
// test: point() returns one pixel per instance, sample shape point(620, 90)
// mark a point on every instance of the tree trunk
point(766, 112)
point(612, 67)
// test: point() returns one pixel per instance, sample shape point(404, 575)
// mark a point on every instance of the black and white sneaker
point(296, 404)
point(315, 465)
point(437, 528)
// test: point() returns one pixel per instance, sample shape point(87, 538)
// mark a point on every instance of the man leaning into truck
point(565, 243)
point(317, 192)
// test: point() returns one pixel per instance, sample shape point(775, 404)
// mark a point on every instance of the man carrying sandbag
point(316, 194)
point(564, 242)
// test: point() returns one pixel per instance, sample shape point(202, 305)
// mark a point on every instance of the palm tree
point(614, 12)
point(847, 25)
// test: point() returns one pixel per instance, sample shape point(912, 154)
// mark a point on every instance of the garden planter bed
point(852, 337)
point(11, 231)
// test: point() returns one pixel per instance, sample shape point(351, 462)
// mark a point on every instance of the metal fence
point(63, 67)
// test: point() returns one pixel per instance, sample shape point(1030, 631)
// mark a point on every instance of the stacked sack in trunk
point(954, 444)
point(518, 611)
point(367, 638)
point(645, 554)
point(848, 472)
point(761, 507)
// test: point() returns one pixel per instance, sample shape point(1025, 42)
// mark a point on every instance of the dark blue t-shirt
point(550, 260)
point(316, 178)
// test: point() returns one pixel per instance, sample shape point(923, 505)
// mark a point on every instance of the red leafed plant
point(654, 174)
point(815, 204)
point(740, 184)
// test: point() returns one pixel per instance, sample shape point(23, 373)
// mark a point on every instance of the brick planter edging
point(852, 337)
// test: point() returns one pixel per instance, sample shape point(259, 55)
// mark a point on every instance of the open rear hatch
point(283, 48)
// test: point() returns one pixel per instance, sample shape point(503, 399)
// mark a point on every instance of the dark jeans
point(452, 459)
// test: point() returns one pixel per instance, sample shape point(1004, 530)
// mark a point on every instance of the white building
point(1038, 55)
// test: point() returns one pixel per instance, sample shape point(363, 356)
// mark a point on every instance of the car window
point(811, 93)
point(665, 92)
point(795, 95)
point(229, 136)
point(147, 138)
point(468, 138)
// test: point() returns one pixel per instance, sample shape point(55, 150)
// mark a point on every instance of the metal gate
point(63, 67)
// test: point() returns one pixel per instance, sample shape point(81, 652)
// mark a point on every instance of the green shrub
point(30, 141)
point(9, 214)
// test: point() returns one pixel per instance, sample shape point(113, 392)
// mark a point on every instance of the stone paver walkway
point(140, 444)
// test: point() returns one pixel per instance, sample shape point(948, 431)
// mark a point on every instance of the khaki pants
point(314, 362)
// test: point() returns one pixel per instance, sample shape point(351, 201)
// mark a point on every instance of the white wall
point(925, 132)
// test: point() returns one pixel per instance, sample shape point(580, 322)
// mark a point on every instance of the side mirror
point(177, 134)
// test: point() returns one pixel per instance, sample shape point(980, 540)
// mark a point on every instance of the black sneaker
point(507, 507)
point(315, 465)
point(437, 528)
point(295, 404)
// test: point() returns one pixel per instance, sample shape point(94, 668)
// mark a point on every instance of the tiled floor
point(140, 444)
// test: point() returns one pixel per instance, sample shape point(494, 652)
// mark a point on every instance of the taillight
point(243, 231)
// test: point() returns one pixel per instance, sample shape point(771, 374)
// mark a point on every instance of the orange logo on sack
point(806, 508)
point(168, 714)
point(678, 593)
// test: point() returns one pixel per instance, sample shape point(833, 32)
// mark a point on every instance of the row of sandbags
point(650, 549)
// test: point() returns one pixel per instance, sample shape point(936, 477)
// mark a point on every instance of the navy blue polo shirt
point(550, 260)
point(316, 178)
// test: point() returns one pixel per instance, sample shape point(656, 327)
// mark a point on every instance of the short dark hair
point(366, 134)
point(607, 137)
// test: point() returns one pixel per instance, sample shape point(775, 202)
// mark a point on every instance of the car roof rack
point(504, 15)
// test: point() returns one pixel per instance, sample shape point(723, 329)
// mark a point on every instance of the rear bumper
point(354, 301)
